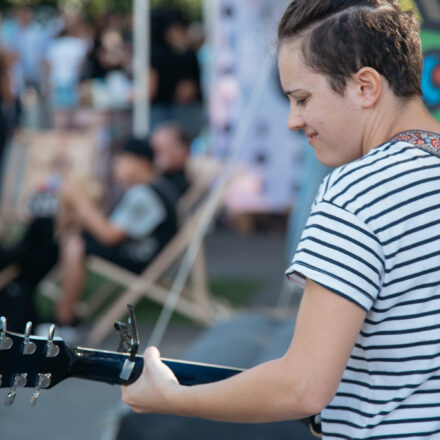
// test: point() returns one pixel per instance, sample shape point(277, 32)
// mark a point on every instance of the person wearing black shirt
point(175, 79)
point(171, 153)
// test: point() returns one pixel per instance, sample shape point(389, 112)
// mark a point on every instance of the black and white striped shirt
point(373, 237)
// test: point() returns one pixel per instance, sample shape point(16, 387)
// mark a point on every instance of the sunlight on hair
point(410, 5)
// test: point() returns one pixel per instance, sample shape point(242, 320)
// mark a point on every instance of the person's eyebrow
point(291, 92)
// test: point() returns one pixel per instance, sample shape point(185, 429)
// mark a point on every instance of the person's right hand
point(71, 191)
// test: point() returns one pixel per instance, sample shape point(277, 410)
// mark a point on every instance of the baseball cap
point(139, 147)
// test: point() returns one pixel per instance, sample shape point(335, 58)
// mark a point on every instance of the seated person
point(32, 257)
point(171, 147)
point(137, 229)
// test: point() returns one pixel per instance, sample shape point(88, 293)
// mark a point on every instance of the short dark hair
point(342, 36)
point(139, 147)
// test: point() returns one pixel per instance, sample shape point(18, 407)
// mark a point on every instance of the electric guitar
point(28, 361)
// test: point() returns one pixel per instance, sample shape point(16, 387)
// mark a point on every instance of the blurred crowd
point(53, 63)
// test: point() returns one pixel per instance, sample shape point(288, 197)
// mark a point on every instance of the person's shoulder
point(139, 190)
point(140, 196)
point(179, 180)
point(371, 171)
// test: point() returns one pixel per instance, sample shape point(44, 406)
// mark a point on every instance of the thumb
point(155, 368)
point(151, 355)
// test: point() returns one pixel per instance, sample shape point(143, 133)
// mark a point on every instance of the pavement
point(78, 409)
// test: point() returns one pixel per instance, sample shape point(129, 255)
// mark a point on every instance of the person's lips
point(311, 137)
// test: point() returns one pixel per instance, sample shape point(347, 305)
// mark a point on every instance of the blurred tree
point(191, 9)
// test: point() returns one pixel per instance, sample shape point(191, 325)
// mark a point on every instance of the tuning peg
point(42, 382)
point(28, 346)
point(52, 349)
point(5, 341)
point(19, 381)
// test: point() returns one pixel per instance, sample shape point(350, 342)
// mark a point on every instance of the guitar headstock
point(28, 361)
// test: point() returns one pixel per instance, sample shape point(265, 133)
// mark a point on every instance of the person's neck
point(406, 115)
point(173, 171)
point(143, 179)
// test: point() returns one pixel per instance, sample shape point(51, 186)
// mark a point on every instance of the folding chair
point(201, 170)
point(197, 303)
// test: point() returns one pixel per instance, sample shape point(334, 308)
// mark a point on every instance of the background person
point(137, 229)
point(65, 59)
point(175, 78)
point(172, 147)
point(6, 101)
point(110, 51)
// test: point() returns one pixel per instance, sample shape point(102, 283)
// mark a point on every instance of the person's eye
point(301, 102)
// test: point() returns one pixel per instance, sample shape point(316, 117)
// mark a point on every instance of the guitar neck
point(116, 368)
point(111, 367)
point(42, 364)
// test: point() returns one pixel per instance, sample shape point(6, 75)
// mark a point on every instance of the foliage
point(191, 9)
point(238, 292)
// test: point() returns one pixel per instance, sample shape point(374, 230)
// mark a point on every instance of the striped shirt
point(373, 237)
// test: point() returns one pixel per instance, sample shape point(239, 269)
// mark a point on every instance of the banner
point(244, 38)
point(428, 12)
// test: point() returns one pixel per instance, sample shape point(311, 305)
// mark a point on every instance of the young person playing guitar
point(365, 353)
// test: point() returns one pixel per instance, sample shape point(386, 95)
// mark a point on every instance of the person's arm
point(297, 385)
point(91, 218)
point(153, 78)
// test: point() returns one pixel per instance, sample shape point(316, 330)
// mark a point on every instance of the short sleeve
point(338, 251)
point(139, 212)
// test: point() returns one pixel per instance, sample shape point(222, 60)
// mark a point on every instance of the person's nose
point(295, 120)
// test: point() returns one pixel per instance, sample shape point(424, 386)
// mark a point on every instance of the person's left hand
point(71, 191)
point(153, 390)
point(186, 91)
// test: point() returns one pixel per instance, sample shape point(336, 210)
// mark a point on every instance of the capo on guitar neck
point(129, 342)
point(129, 338)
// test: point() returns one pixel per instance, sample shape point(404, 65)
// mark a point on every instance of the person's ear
point(368, 86)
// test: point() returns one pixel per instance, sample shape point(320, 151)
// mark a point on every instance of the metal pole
point(214, 198)
point(141, 67)
point(209, 23)
point(209, 13)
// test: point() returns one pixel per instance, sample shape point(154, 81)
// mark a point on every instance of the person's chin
point(324, 160)
point(323, 156)
point(123, 183)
